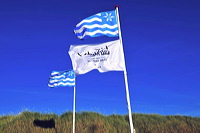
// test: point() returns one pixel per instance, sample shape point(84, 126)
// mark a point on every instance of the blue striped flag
point(63, 78)
point(103, 23)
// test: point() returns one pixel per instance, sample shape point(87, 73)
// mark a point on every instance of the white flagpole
point(74, 105)
point(125, 77)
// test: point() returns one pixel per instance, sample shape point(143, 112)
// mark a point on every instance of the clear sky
point(161, 45)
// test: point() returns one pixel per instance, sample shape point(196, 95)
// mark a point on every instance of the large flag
point(105, 57)
point(103, 23)
point(62, 78)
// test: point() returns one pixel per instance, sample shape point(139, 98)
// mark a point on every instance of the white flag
point(105, 57)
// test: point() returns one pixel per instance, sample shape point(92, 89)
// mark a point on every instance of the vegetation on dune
point(91, 122)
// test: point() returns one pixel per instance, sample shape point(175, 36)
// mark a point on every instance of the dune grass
point(91, 122)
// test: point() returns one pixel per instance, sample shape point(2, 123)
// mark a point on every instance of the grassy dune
point(91, 122)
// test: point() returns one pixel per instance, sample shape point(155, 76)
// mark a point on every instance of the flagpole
point(74, 105)
point(125, 77)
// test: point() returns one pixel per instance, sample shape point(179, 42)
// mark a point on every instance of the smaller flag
point(62, 78)
point(103, 23)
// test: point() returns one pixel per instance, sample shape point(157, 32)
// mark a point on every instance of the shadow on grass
point(45, 124)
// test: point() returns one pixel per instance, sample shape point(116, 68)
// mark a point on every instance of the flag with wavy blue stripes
point(62, 78)
point(103, 23)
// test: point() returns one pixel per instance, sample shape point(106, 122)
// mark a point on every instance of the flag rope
point(125, 76)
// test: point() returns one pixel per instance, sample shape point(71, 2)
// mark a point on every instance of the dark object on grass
point(44, 123)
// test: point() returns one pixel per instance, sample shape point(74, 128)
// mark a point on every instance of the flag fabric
point(103, 23)
point(62, 78)
point(105, 57)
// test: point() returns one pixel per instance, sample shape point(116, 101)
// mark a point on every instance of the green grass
point(91, 122)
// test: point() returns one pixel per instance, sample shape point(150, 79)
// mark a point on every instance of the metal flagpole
point(74, 104)
point(125, 77)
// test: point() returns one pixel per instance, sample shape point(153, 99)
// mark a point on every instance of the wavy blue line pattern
point(62, 78)
point(100, 24)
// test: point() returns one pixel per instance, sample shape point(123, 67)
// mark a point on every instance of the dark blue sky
point(161, 45)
